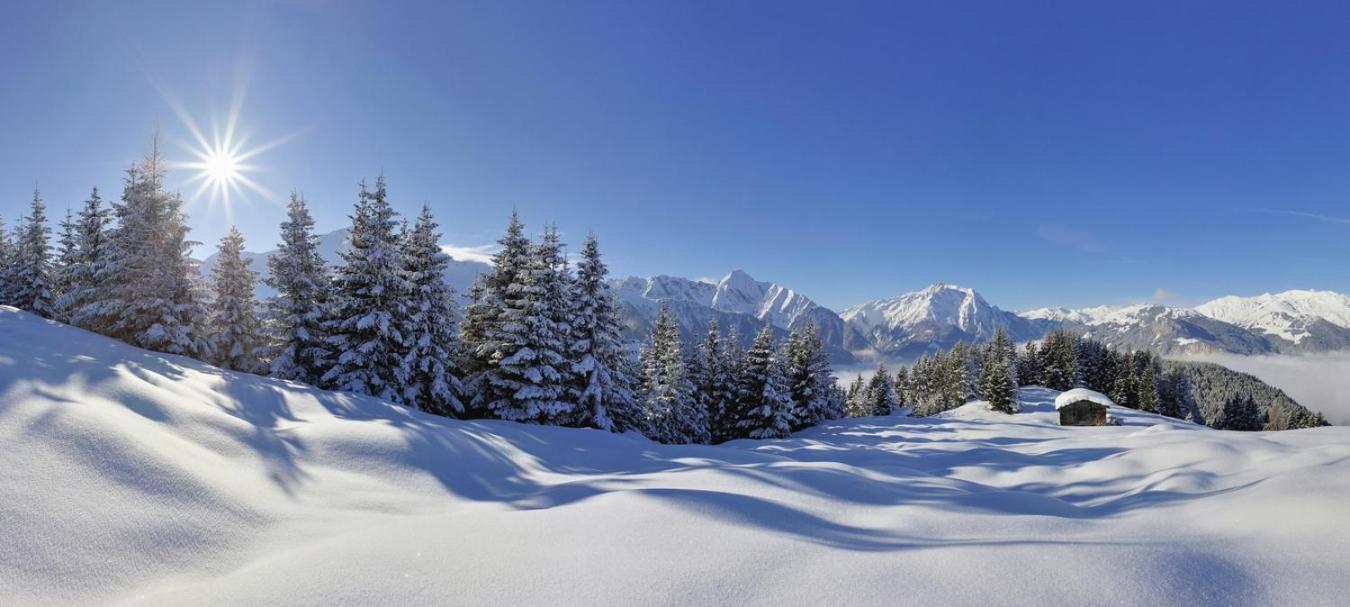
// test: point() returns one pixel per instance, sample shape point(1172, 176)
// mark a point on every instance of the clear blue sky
point(1065, 153)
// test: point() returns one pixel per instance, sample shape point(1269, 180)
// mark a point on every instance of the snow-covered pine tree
point(674, 414)
point(65, 268)
point(1240, 412)
point(1146, 387)
point(31, 279)
point(809, 376)
point(6, 265)
point(1058, 367)
point(725, 419)
point(1029, 366)
point(234, 330)
point(529, 369)
point(367, 306)
point(602, 392)
point(997, 385)
point(89, 288)
point(702, 368)
point(430, 322)
point(880, 393)
point(902, 393)
point(855, 405)
point(767, 402)
point(153, 297)
point(483, 339)
point(296, 313)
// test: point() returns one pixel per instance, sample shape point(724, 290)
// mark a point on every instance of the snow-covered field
point(132, 477)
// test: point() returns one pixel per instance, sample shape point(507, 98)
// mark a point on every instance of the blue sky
point(1068, 153)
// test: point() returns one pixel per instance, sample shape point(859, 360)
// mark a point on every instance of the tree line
point(536, 341)
point(1139, 379)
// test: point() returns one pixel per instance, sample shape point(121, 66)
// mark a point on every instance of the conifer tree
point(364, 319)
point(296, 314)
point(150, 290)
point(1029, 366)
point(856, 405)
point(485, 337)
point(429, 322)
point(1240, 412)
point(1146, 389)
point(879, 395)
point(603, 390)
point(529, 370)
point(1058, 367)
point(673, 412)
point(234, 331)
point(89, 289)
point(30, 284)
point(724, 420)
point(708, 369)
point(65, 268)
point(6, 266)
point(766, 400)
point(809, 376)
point(997, 385)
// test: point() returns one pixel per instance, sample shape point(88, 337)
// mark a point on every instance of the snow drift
point(133, 477)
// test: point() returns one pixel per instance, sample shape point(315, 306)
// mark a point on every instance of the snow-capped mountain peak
point(1294, 316)
point(934, 317)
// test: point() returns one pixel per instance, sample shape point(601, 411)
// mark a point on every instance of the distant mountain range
point(939, 316)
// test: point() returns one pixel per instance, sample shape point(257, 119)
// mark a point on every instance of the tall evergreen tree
point(879, 395)
point(296, 313)
point(234, 331)
point(89, 286)
point(1240, 412)
point(367, 308)
point(1146, 388)
point(604, 391)
point(766, 401)
point(31, 279)
point(429, 323)
point(6, 266)
point(530, 370)
point(725, 415)
point(997, 384)
point(673, 411)
point(809, 377)
point(855, 398)
point(65, 268)
point(1058, 367)
point(485, 337)
point(152, 293)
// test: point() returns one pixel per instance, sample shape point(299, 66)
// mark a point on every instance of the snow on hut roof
point(1080, 394)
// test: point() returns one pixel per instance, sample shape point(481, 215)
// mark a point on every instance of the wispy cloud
point(1304, 215)
point(480, 253)
point(1161, 295)
point(1069, 237)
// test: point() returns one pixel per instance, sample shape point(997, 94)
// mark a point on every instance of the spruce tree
point(603, 390)
point(65, 269)
point(296, 313)
point(1146, 389)
point(724, 420)
point(766, 401)
point(234, 331)
point(150, 290)
point(997, 385)
point(879, 395)
point(1058, 367)
point(30, 284)
point(708, 372)
point(673, 412)
point(529, 370)
point(89, 288)
point(485, 337)
point(809, 377)
point(367, 308)
point(1029, 366)
point(429, 322)
point(856, 405)
point(6, 266)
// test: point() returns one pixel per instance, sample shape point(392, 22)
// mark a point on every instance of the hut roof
point(1081, 394)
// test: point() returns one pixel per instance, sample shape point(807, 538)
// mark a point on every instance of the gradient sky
point(1066, 153)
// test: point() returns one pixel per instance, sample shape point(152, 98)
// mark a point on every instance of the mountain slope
point(934, 318)
point(1158, 328)
point(1295, 321)
point(460, 274)
point(736, 301)
point(137, 478)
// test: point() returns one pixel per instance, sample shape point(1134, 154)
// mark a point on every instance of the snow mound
point(131, 477)
point(1080, 394)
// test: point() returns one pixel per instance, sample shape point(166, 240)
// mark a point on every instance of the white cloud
point(1320, 382)
point(480, 253)
point(1161, 295)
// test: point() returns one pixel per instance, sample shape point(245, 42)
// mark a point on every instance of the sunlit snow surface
point(131, 477)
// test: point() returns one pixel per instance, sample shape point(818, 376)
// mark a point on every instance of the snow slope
point(129, 477)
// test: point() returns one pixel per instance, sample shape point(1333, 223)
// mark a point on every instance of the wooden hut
point(1082, 407)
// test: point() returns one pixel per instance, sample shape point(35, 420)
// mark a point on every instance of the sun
point(222, 165)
